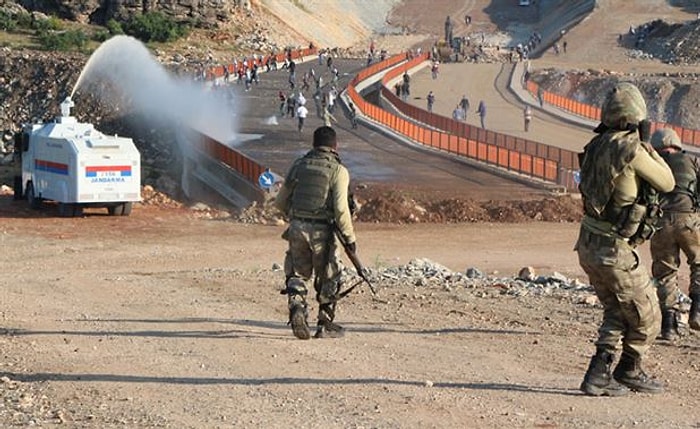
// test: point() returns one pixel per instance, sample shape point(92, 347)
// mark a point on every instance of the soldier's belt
point(311, 220)
point(599, 240)
point(677, 215)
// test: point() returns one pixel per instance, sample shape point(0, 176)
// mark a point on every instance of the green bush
point(101, 36)
point(114, 27)
point(50, 24)
point(154, 27)
point(62, 41)
point(24, 20)
point(7, 22)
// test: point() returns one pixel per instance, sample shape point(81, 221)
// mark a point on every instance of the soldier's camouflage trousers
point(679, 232)
point(621, 282)
point(312, 252)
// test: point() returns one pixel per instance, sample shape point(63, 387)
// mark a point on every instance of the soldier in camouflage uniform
point(680, 231)
point(314, 197)
point(614, 167)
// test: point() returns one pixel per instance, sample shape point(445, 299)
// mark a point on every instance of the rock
point(206, 14)
point(200, 207)
point(167, 185)
point(589, 300)
point(527, 274)
point(6, 190)
point(578, 284)
point(7, 159)
point(276, 267)
point(474, 273)
point(559, 277)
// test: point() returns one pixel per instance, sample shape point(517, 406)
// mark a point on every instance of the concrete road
point(373, 159)
point(504, 111)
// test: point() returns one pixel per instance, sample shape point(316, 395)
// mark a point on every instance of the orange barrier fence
point(219, 71)
point(378, 67)
point(691, 137)
point(246, 167)
point(526, 157)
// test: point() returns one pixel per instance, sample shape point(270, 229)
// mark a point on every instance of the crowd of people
point(320, 83)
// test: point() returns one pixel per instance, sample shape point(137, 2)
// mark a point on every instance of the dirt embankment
point(393, 207)
point(671, 98)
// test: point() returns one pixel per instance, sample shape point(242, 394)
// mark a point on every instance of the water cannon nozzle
point(66, 106)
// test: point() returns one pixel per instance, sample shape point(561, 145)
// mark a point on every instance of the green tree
point(62, 41)
point(154, 27)
point(114, 27)
point(7, 22)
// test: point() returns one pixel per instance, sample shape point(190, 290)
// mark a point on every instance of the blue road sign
point(266, 180)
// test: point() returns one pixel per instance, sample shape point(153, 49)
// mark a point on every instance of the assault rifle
point(361, 271)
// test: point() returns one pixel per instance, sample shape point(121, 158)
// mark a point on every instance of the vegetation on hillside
point(53, 34)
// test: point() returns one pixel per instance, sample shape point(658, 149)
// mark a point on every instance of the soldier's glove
point(644, 130)
point(352, 247)
point(601, 128)
point(352, 204)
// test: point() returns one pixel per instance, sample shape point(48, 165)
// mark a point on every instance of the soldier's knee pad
point(328, 292)
point(296, 286)
point(326, 313)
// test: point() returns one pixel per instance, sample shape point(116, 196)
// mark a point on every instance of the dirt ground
point(170, 319)
point(164, 319)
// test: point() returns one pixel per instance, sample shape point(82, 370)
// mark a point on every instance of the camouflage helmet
point(665, 137)
point(624, 105)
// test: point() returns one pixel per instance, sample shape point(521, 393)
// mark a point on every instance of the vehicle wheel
point(126, 209)
point(69, 210)
point(33, 200)
point(115, 210)
point(18, 188)
point(65, 210)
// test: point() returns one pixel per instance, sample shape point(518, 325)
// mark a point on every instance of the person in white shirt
point(302, 111)
point(458, 113)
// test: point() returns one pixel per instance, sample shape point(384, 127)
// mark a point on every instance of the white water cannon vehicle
point(77, 166)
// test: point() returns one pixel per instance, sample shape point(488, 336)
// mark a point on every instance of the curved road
point(504, 112)
point(380, 162)
point(373, 159)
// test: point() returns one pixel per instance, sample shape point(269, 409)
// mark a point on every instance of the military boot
point(669, 325)
point(329, 330)
point(598, 381)
point(629, 372)
point(297, 318)
point(326, 328)
point(694, 316)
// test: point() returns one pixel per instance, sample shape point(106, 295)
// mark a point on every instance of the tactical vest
point(683, 197)
point(313, 175)
point(603, 160)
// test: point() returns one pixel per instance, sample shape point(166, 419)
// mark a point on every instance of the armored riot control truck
point(77, 166)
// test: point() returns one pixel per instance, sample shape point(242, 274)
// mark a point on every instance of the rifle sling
point(347, 291)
